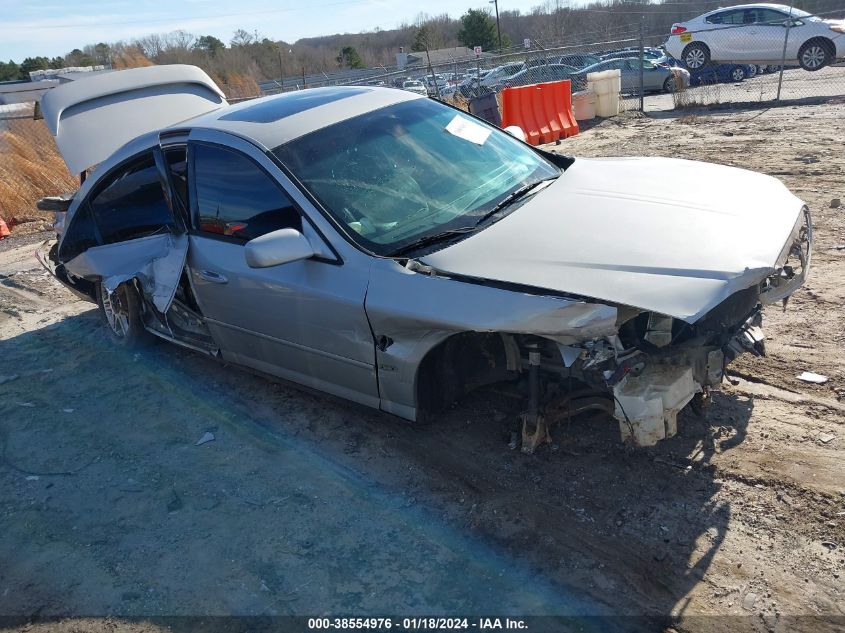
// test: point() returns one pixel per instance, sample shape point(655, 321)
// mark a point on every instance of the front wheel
point(696, 55)
point(815, 55)
point(670, 85)
point(121, 313)
point(737, 74)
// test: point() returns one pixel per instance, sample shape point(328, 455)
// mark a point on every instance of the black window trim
point(167, 176)
point(194, 207)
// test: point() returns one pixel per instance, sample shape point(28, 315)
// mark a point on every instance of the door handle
point(213, 277)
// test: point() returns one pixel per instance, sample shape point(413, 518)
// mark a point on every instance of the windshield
point(415, 169)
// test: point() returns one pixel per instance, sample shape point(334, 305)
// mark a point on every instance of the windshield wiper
point(444, 235)
point(431, 239)
point(512, 197)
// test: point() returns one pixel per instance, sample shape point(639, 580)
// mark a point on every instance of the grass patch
point(30, 168)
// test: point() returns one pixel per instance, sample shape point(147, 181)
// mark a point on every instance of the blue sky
point(51, 27)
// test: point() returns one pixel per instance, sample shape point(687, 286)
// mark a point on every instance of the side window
point(81, 234)
point(236, 198)
point(132, 204)
point(734, 16)
point(770, 16)
point(636, 64)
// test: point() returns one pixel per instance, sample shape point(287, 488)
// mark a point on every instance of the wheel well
point(823, 41)
point(701, 44)
point(458, 365)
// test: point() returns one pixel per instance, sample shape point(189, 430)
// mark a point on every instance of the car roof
point(277, 119)
point(603, 62)
point(777, 7)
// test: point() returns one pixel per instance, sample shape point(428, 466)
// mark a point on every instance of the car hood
point(666, 235)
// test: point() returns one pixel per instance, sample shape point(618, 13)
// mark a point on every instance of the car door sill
point(309, 382)
point(303, 348)
point(208, 351)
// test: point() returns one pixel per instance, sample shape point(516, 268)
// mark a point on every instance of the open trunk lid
point(91, 118)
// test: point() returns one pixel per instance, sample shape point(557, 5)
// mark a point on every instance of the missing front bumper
point(647, 403)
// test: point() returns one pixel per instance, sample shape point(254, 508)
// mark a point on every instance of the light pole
point(498, 29)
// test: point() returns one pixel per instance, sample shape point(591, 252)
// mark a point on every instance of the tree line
point(250, 57)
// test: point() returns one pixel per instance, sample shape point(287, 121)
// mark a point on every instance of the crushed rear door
point(92, 117)
point(126, 227)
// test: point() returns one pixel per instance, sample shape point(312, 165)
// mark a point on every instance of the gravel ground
point(304, 504)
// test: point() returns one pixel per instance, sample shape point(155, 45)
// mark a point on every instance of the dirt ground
point(304, 504)
point(797, 84)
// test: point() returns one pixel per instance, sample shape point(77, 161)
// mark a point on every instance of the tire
point(696, 56)
point(121, 314)
point(815, 54)
point(670, 85)
point(737, 74)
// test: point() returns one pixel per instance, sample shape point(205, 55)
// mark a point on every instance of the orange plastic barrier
point(4, 230)
point(543, 111)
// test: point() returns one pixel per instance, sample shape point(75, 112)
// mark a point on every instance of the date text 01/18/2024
point(416, 624)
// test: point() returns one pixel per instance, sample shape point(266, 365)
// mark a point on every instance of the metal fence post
point(783, 54)
point(642, 64)
point(431, 70)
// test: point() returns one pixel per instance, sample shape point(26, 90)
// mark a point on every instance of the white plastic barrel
point(584, 105)
point(607, 104)
point(606, 85)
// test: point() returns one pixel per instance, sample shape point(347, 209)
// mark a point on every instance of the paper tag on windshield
point(468, 130)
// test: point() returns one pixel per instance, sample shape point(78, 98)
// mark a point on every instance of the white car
point(415, 86)
point(755, 33)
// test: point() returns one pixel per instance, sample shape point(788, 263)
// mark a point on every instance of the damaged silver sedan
point(397, 252)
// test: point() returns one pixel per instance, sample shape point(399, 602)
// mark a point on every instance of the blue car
point(721, 73)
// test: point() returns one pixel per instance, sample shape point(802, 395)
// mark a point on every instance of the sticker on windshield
point(686, 37)
point(468, 130)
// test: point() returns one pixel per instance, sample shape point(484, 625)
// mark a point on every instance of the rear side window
point(132, 204)
point(735, 16)
point(81, 234)
point(236, 198)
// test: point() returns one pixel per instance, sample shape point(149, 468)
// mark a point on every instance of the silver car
point(656, 78)
point(395, 251)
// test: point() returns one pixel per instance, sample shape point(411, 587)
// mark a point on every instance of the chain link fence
point(737, 55)
point(30, 168)
point(733, 56)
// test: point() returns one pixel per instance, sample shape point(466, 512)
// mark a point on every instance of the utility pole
point(498, 28)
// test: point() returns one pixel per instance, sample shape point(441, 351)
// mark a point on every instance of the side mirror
point(279, 247)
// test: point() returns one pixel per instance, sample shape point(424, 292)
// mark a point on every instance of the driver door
point(304, 320)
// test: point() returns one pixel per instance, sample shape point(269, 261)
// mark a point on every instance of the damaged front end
point(658, 364)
